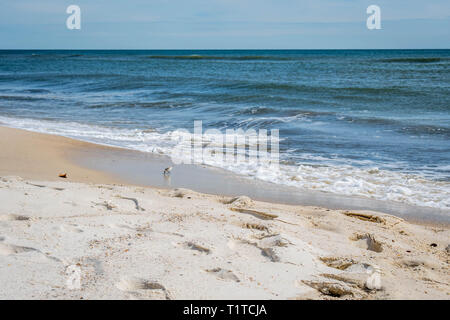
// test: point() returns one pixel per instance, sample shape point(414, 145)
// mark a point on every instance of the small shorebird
point(167, 171)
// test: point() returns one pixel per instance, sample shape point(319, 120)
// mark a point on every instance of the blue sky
point(224, 24)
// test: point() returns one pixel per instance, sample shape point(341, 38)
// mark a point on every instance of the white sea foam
point(343, 179)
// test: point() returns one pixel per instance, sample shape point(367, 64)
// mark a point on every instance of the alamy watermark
point(73, 22)
point(374, 20)
point(232, 147)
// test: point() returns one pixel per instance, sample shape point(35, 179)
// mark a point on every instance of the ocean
point(368, 123)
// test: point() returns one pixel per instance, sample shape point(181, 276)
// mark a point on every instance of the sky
point(224, 24)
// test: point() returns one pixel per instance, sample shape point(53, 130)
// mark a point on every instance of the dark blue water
point(374, 123)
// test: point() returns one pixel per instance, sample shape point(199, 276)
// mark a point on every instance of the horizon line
point(217, 49)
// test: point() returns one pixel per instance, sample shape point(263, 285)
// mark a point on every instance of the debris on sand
point(257, 214)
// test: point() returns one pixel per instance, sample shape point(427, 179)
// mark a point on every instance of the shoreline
point(126, 241)
point(96, 163)
point(45, 156)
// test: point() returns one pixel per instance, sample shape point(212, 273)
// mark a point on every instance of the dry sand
point(131, 242)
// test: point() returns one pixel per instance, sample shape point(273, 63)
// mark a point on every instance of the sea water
point(370, 123)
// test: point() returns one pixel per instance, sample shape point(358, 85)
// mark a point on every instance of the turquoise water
point(371, 123)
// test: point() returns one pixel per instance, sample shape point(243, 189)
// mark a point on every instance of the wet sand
point(41, 156)
point(146, 169)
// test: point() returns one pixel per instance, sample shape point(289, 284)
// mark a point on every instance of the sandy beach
point(93, 235)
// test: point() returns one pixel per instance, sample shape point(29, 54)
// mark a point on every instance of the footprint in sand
point(182, 193)
point(136, 285)
point(71, 228)
point(144, 229)
point(9, 249)
point(338, 263)
point(346, 264)
point(121, 226)
point(270, 254)
point(273, 241)
point(368, 242)
point(96, 264)
point(252, 250)
point(13, 217)
point(106, 204)
point(334, 289)
point(224, 274)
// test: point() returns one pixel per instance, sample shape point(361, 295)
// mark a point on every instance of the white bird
point(167, 171)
